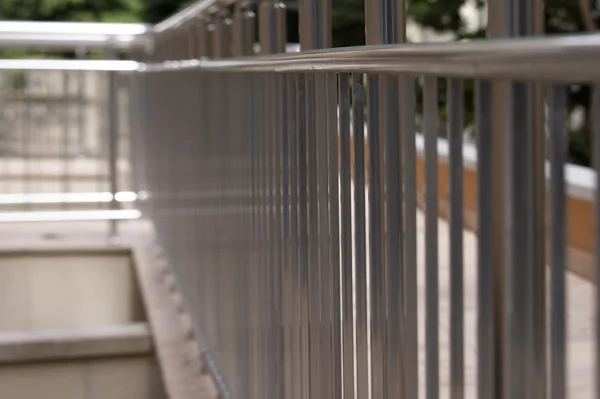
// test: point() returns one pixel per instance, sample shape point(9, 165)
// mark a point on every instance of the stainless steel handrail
point(61, 35)
point(69, 65)
point(187, 14)
point(571, 58)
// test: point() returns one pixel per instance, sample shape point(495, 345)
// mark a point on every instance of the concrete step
point(77, 343)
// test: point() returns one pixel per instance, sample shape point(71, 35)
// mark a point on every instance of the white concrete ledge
point(69, 216)
point(52, 345)
point(581, 181)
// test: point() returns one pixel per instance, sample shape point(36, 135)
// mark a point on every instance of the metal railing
point(63, 139)
point(64, 130)
point(305, 260)
point(283, 188)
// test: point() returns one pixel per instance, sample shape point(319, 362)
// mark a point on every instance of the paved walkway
point(580, 318)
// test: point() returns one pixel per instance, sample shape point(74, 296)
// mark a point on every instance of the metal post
point(430, 130)
point(525, 267)
point(596, 160)
point(455, 137)
point(81, 110)
point(244, 22)
point(221, 38)
point(192, 48)
point(346, 237)
point(558, 241)
point(385, 24)
point(204, 38)
point(272, 37)
point(537, 340)
point(113, 144)
point(315, 33)
point(498, 117)
point(243, 40)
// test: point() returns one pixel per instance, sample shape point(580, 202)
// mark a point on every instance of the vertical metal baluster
point(314, 20)
point(384, 24)
point(272, 35)
point(264, 234)
point(199, 188)
point(66, 131)
point(303, 260)
point(234, 247)
point(517, 273)
point(230, 245)
point(244, 267)
point(430, 127)
point(394, 379)
point(113, 146)
point(596, 161)
point(360, 261)
point(322, 176)
point(7, 137)
point(485, 273)
point(277, 362)
point(377, 269)
point(280, 264)
point(215, 196)
point(558, 240)
point(295, 355)
point(134, 127)
point(314, 283)
point(219, 232)
point(346, 238)
point(82, 140)
point(242, 167)
point(286, 286)
point(334, 230)
point(246, 254)
point(195, 167)
point(269, 236)
point(29, 143)
point(221, 220)
point(411, 365)
point(208, 205)
point(268, 341)
point(113, 141)
point(252, 137)
point(455, 134)
point(4, 139)
point(253, 272)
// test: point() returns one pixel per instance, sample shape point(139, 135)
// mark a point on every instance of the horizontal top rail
point(570, 58)
point(68, 35)
point(190, 12)
point(68, 65)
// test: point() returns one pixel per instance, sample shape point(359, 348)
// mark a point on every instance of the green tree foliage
point(441, 16)
point(561, 17)
point(67, 10)
point(154, 11)
point(72, 10)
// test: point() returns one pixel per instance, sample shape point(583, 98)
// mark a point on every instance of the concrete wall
point(108, 378)
point(96, 363)
point(46, 290)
